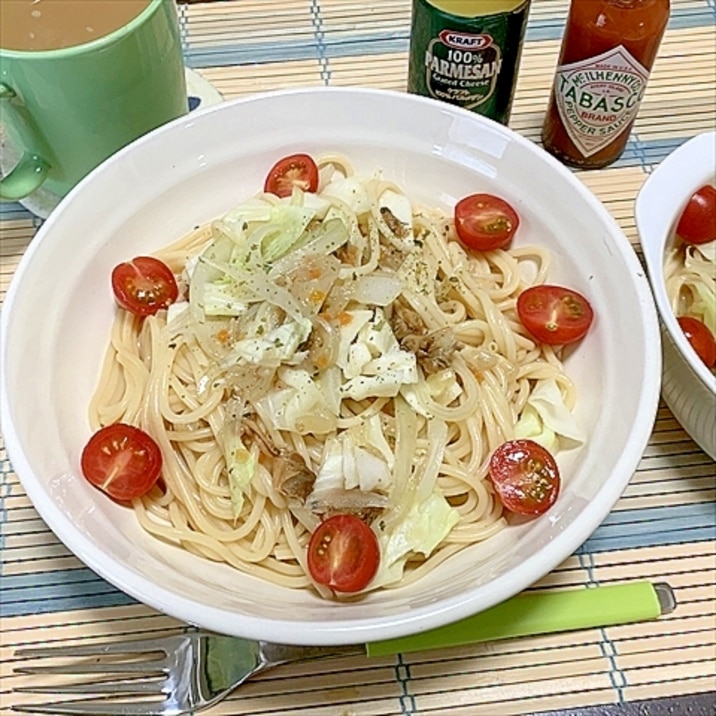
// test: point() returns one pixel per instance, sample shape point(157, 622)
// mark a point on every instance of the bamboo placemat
point(663, 528)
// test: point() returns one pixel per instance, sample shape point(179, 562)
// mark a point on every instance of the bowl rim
point(336, 632)
point(681, 173)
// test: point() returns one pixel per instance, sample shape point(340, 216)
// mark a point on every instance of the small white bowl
point(689, 387)
point(59, 309)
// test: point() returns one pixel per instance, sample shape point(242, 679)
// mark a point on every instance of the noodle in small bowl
point(689, 386)
point(58, 318)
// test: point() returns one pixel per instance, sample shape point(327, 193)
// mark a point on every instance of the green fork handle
point(541, 612)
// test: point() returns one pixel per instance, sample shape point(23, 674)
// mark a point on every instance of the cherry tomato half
point(701, 339)
point(697, 223)
point(553, 314)
point(484, 222)
point(295, 170)
point(343, 553)
point(122, 460)
point(144, 285)
point(525, 476)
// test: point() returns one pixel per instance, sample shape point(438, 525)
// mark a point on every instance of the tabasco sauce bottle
point(608, 50)
point(467, 52)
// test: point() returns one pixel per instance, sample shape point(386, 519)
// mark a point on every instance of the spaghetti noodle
point(339, 351)
point(690, 279)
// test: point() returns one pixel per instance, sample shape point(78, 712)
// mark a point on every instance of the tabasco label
point(598, 98)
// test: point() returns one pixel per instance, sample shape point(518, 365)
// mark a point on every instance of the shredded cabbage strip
point(337, 351)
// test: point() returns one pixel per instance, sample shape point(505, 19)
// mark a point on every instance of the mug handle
point(29, 173)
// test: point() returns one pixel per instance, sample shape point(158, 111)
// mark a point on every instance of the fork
point(192, 671)
point(183, 673)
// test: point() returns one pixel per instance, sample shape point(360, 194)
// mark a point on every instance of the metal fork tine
point(183, 677)
point(100, 648)
point(93, 707)
point(133, 667)
point(116, 688)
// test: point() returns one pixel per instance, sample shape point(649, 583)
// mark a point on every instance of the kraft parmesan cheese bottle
point(467, 52)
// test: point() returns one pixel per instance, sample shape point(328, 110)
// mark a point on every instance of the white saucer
point(200, 93)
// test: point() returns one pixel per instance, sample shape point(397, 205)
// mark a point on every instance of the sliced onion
point(377, 288)
point(323, 343)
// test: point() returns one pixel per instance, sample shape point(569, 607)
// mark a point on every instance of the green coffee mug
point(67, 110)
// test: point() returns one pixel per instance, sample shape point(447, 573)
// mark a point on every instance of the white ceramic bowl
point(59, 308)
point(689, 387)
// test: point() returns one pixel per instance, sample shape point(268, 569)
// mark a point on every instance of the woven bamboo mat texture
point(663, 528)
